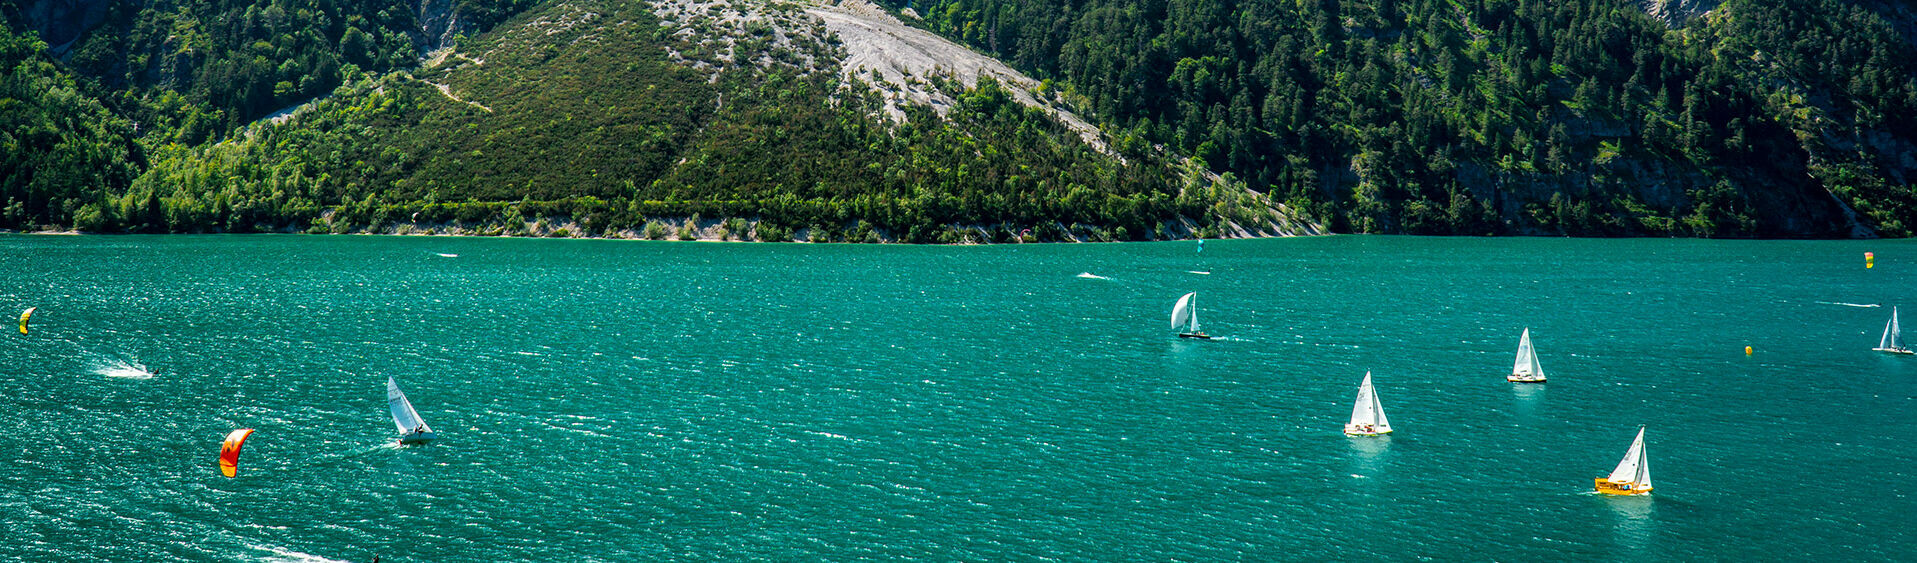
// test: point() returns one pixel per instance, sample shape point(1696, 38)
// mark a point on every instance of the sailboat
point(1893, 341)
point(412, 430)
point(1527, 369)
point(1633, 474)
point(1367, 414)
point(1184, 317)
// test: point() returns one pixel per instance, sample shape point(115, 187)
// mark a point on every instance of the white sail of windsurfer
point(411, 428)
point(1526, 369)
point(1367, 414)
point(1893, 339)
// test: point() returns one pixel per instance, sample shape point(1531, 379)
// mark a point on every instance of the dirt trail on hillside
point(875, 41)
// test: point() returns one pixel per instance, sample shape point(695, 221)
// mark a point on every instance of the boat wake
point(1850, 304)
point(124, 370)
point(1092, 276)
point(287, 555)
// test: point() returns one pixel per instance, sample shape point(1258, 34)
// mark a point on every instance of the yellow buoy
point(1747, 350)
point(1869, 260)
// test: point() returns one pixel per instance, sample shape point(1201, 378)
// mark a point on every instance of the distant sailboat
point(1367, 414)
point(412, 430)
point(1527, 369)
point(1184, 318)
point(1633, 474)
point(1893, 341)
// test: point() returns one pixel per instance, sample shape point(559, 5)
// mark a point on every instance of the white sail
point(1184, 313)
point(1366, 410)
point(1635, 468)
point(1527, 362)
point(1893, 334)
point(404, 416)
point(1194, 312)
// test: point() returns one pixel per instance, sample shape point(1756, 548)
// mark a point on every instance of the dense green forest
point(592, 118)
point(59, 147)
point(1441, 116)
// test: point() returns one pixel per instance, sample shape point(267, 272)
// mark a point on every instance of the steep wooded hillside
point(963, 120)
point(1684, 117)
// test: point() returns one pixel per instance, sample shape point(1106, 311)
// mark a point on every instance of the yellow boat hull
point(1605, 486)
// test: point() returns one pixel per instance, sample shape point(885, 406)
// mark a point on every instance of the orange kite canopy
point(230, 451)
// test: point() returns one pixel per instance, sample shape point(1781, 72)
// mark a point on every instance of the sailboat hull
point(1194, 335)
point(1605, 486)
point(417, 438)
point(1524, 378)
point(1898, 351)
point(1357, 430)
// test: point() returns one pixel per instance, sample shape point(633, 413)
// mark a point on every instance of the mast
point(1896, 332)
point(1643, 461)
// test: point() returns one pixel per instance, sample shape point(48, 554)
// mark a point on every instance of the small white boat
point(1367, 414)
point(1633, 474)
point(412, 430)
point(1527, 369)
point(1893, 340)
point(1184, 317)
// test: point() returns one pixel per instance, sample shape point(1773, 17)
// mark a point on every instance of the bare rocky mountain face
point(897, 58)
point(1676, 13)
point(439, 25)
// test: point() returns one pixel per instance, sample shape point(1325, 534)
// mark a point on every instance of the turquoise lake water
point(624, 400)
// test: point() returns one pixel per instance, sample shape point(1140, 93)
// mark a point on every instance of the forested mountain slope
point(830, 120)
point(696, 119)
point(1749, 117)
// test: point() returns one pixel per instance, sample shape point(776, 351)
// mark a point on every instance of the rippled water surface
point(618, 400)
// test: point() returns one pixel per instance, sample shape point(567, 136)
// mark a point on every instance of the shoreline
point(695, 229)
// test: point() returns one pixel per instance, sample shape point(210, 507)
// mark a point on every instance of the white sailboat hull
point(1525, 378)
point(1365, 430)
point(1904, 351)
point(417, 437)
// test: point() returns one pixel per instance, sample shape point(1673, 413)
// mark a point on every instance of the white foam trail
point(1850, 304)
point(290, 556)
point(124, 370)
point(1092, 276)
point(827, 434)
point(1197, 272)
point(445, 255)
